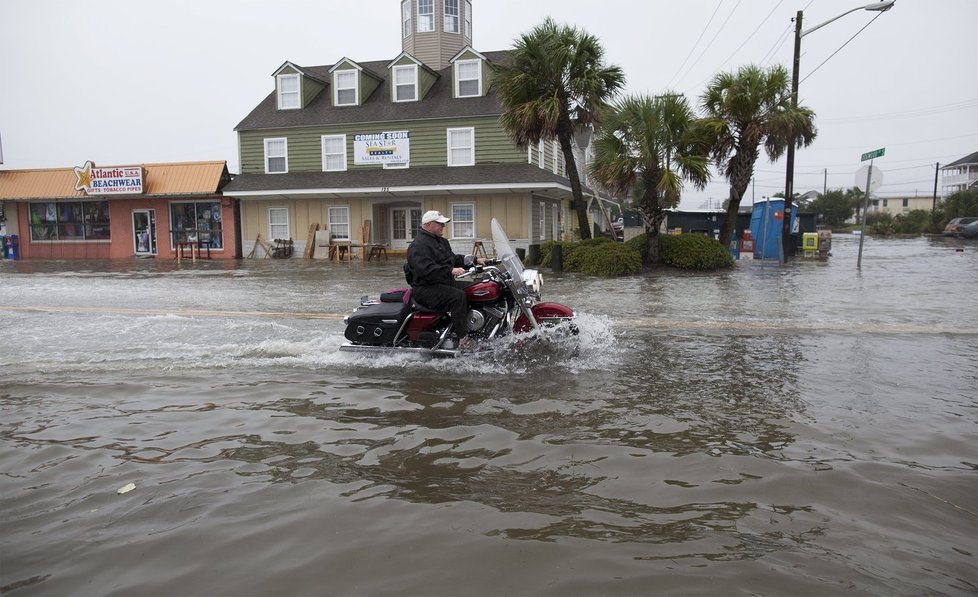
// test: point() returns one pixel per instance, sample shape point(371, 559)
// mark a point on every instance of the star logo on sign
point(83, 176)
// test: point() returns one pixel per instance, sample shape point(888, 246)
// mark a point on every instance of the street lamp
point(789, 182)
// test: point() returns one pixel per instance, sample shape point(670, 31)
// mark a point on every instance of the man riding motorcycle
point(431, 270)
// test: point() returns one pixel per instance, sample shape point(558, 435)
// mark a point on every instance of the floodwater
point(809, 429)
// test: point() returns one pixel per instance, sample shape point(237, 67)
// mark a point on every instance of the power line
point(777, 46)
point(878, 15)
point(693, 49)
point(715, 35)
point(748, 38)
point(962, 105)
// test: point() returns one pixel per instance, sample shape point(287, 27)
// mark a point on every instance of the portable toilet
point(766, 222)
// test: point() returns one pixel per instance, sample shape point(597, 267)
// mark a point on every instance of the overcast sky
point(125, 82)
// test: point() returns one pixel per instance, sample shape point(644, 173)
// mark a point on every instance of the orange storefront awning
point(186, 178)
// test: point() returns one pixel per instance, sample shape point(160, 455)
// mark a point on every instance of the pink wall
point(121, 245)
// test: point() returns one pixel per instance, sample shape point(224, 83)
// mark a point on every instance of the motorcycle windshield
point(505, 252)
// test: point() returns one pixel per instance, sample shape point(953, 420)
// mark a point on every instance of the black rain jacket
point(430, 260)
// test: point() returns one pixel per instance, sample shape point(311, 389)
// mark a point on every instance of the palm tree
point(745, 110)
point(553, 81)
point(650, 146)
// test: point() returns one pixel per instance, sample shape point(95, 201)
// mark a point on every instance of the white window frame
point(328, 154)
point(470, 146)
point(541, 153)
point(278, 212)
point(543, 221)
point(556, 148)
point(459, 79)
point(404, 68)
point(467, 18)
point(457, 220)
point(355, 87)
point(426, 20)
point(450, 22)
point(337, 223)
point(406, 29)
point(289, 100)
point(269, 156)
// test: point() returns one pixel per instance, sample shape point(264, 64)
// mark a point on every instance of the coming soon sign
point(392, 147)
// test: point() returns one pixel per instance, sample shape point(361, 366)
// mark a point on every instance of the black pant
point(443, 297)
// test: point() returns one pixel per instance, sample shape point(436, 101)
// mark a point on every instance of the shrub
point(693, 251)
point(610, 260)
point(639, 243)
point(604, 257)
point(917, 221)
point(880, 223)
point(571, 253)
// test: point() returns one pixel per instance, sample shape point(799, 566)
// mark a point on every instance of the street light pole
point(789, 179)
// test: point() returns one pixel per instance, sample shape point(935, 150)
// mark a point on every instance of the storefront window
point(70, 221)
point(197, 222)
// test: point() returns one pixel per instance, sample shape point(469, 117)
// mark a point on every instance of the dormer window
point(288, 92)
point(345, 84)
point(468, 78)
point(426, 15)
point(406, 18)
point(451, 16)
point(405, 83)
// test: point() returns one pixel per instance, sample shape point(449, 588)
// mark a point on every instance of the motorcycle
point(504, 299)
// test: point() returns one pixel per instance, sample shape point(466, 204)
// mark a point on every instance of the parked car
point(970, 230)
point(957, 226)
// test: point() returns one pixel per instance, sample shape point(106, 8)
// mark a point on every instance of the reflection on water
point(806, 429)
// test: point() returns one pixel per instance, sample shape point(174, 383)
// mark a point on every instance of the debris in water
point(126, 488)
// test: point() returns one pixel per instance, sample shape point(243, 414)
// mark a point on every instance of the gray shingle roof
point(378, 107)
point(968, 159)
point(359, 180)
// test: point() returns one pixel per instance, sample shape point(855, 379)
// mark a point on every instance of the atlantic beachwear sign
point(108, 181)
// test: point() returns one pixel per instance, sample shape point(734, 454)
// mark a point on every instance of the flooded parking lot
point(800, 429)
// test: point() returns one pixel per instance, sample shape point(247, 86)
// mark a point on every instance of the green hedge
point(605, 257)
point(610, 260)
point(694, 251)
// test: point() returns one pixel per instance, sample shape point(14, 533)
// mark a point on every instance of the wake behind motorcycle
point(503, 299)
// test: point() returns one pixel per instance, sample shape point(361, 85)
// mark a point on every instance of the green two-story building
point(362, 149)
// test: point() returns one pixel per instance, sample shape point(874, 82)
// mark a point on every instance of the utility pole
point(937, 169)
point(789, 179)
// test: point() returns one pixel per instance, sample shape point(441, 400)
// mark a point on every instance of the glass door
point(144, 231)
point(405, 222)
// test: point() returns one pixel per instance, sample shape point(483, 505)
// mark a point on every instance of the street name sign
point(876, 153)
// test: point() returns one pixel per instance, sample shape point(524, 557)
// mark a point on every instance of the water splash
point(587, 343)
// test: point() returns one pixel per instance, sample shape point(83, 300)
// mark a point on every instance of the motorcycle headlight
point(533, 281)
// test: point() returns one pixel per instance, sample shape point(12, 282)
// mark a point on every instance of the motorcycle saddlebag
point(375, 324)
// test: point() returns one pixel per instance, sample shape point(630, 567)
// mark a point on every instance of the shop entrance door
point(144, 231)
point(404, 226)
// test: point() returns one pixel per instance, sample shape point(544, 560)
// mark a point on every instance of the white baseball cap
point(434, 216)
